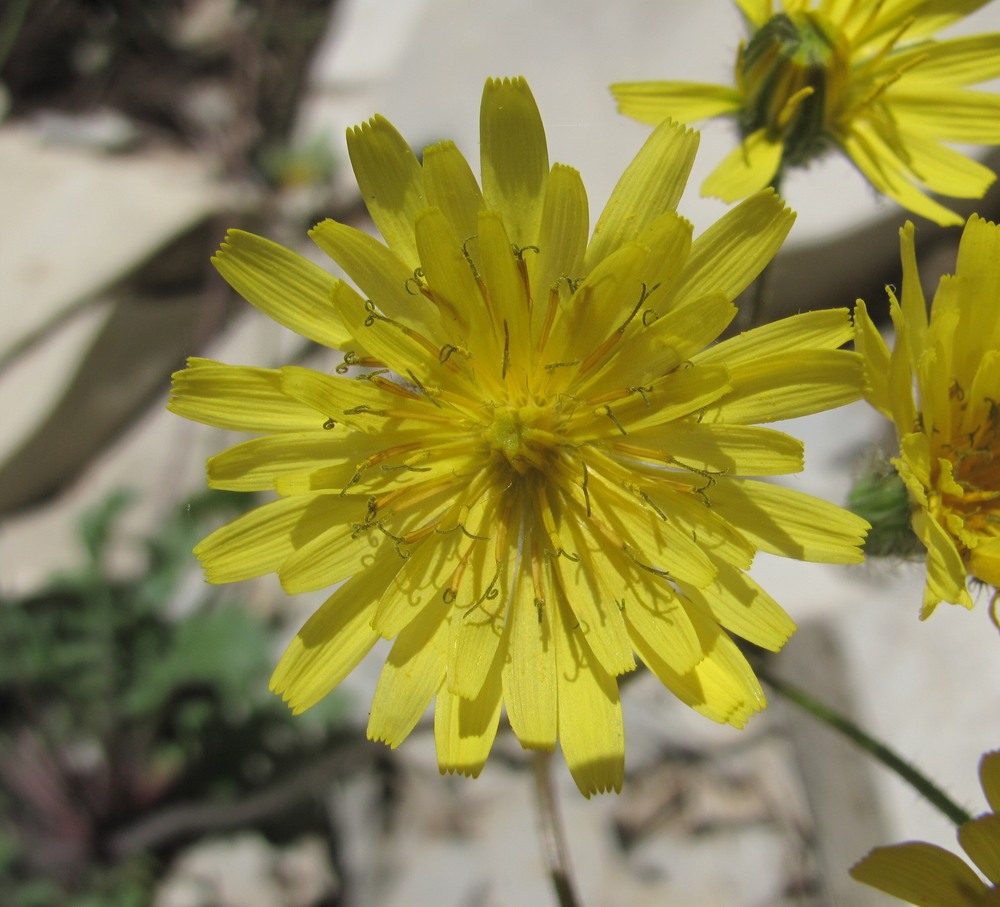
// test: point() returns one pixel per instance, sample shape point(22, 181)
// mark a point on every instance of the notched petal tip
point(382, 737)
point(603, 775)
point(295, 705)
point(465, 770)
point(362, 129)
point(500, 83)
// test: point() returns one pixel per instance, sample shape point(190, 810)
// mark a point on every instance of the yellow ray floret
point(532, 468)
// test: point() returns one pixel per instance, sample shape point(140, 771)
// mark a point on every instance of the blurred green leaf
point(225, 648)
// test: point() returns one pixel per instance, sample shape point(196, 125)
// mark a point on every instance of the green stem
point(911, 775)
point(553, 840)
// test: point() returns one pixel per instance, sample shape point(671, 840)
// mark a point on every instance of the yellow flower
point(949, 436)
point(532, 475)
point(930, 876)
point(859, 75)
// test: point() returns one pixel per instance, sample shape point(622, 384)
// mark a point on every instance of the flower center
point(975, 459)
point(523, 437)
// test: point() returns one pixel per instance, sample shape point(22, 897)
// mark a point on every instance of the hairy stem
point(890, 759)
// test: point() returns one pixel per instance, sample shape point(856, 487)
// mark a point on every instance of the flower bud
point(793, 74)
point(880, 497)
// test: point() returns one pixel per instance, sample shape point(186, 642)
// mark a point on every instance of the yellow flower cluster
point(534, 465)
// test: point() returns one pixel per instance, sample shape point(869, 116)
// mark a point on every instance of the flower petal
point(825, 329)
point(529, 674)
point(685, 102)
point(875, 354)
point(450, 185)
point(883, 168)
point(515, 160)
point(747, 169)
point(735, 249)
point(359, 404)
point(379, 273)
point(923, 874)
point(741, 606)
point(446, 269)
point(333, 641)
point(254, 465)
point(601, 303)
point(651, 353)
point(390, 181)
point(756, 12)
point(651, 184)
point(787, 522)
point(562, 237)
point(283, 285)
point(334, 554)
point(722, 686)
point(745, 450)
point(590, 714)
point(596, 617)
point(945, 570)
point(239, 398)
point(989, 777)
point(464, 729)
point(412, 675)
point(980, 839)
point(789, 385)
point(654, 613)
point(912, 302)
point(978, 253)
point(960, 61)
point(482, 603)
point(690, 511)
point(925, 18)
point(944, 170)
point(258, 542)
point(507, 291)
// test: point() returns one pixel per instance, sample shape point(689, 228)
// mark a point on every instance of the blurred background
point(142, 759)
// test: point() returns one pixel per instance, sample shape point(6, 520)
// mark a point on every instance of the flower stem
point(551, 830)
point(910, 774)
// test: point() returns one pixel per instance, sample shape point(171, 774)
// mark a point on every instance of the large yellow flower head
point(930, 876)
point(528, 466)
point(859, 75)
point(949, 435)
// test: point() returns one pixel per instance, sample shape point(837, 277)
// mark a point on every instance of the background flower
point(930, 876)
point(536, 472)
point(949, 433)
point(863, 77)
